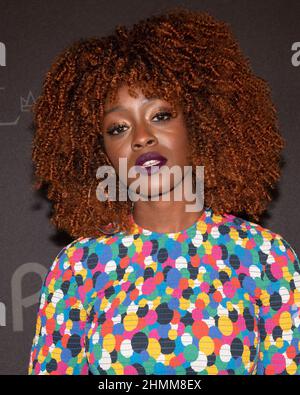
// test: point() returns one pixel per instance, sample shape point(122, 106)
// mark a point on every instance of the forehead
point(122, 94)
point(116, 99)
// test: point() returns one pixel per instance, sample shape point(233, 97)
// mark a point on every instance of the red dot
point(200, 329)
point(291, 352)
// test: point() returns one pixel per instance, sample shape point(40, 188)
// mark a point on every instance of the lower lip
point(154, 168)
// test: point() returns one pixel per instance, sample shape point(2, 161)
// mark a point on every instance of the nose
point(142, 138)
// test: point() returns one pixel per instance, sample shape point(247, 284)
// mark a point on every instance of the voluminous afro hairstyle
point(183, 56)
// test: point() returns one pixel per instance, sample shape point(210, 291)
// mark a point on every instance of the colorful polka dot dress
point(221, 297)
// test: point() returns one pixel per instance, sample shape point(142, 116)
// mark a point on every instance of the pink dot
point(241, 322)
point(151, 317)
point(181, 358)
point(153, 334)
point(180, 328)
point(149, 286)
point(204, 287)
point(147, 248)
point(270, 325)
point(278, 361)
point(216, 252)
point(125, 286)
point(223, 373)
point(62, 367)
point(197, 314)
point(276, 270)
point(130, 370)
point(177, 293)
point(229, 289)
point(82, 293)
point(77, 255)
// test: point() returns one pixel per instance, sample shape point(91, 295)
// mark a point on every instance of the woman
point(147, 286)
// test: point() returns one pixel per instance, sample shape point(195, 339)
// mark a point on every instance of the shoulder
point(251, 235)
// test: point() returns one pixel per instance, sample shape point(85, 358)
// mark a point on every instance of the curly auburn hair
point(183, 56)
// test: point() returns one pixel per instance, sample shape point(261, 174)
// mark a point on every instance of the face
point(135, 126)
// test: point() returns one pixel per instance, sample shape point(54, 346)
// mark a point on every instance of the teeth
point(151, 163)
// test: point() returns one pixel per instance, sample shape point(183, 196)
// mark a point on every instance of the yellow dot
point(191, 282)
point(156, 302)
point(138, 245)
point(234, 234)
point(217, 218)
point(139, 281)
point(184, 304)
point(118, 368)
point(240, 306)
point(203, 296)
point(109, 342)
point(69, 370)
point(202, 227)
point(246, 354)
point(211, 370)
point(266, 235)
point(130, 321)
point(104, 303)
point(154, 348)
point(217, 283)
point(168, 358)
point(143, 302)
point(225, 325)
point(121, 296)
point(267, 342)
point(172, 334)
point(80, 356)
point(206, 345)
point(38, 325)
point(169, 290)
point(49, 310)
point(297, 297)
point(279, 342)
point(41, 358)
point(207, 246)
point(286, 274)
point(83, 315)
point(227, 270)
point(56, 354)
point(292, 368)
point(285, 321)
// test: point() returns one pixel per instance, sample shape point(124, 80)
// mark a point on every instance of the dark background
point(33, 33)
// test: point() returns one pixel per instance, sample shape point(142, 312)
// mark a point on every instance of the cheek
point(180, 148)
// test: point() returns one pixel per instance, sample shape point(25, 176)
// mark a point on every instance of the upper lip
point(149, 156)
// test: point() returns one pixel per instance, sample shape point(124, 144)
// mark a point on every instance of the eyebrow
point(116, 108)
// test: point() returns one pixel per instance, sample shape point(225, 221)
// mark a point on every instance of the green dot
point(185, 273)
point(97, 350)
point(113, 275)
point(180, 370)
point(201, 250)
point(132, 277)
point(185, 249)
point(191, 352)
point(149, 365)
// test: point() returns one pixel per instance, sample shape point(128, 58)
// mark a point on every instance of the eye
point(116, 127)
point(164, 115)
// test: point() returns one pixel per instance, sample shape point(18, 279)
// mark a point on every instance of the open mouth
point(153, 166)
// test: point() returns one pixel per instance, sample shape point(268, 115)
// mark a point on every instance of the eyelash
point(117, 126)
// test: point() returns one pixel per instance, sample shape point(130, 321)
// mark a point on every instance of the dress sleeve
point(58, 347)
point(279, 317)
